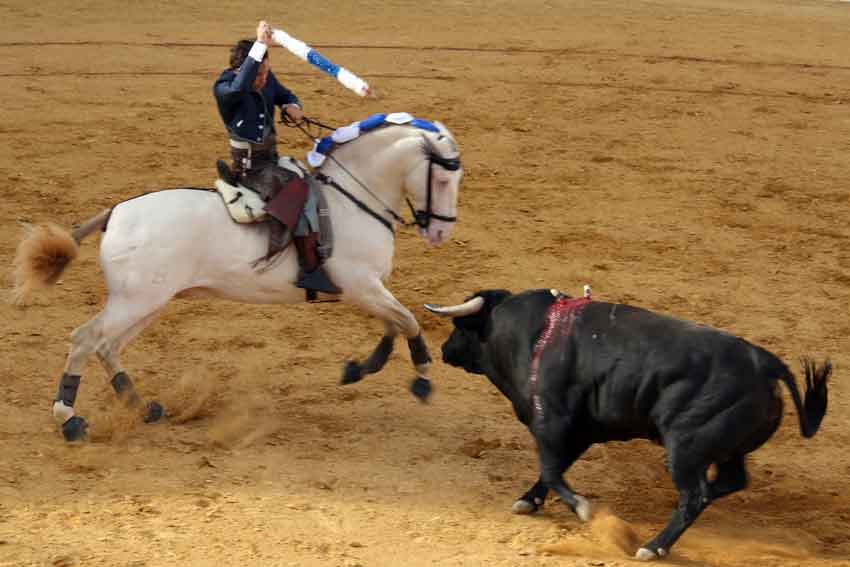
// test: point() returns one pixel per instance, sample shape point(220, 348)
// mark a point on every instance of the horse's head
point(418, 160)
point(433, 185)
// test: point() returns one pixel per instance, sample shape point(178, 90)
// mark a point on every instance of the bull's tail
point(46, 251)
point(812, 410)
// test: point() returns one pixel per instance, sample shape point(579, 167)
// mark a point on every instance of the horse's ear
point(442, 127)
point(428, 146)
point(444, 131)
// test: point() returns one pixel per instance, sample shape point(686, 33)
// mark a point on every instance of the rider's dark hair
point(239, 52)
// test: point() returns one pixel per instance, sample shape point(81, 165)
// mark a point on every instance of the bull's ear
point(493, 297)
point(480, 322)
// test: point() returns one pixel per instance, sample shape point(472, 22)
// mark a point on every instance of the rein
point(363, 206)
point(421, 218)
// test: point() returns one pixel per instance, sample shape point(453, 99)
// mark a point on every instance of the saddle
point(245, 204)
point(283, 211)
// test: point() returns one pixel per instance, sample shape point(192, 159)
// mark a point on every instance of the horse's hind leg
point(83, 343)
point(109, 351)
point(105, 334)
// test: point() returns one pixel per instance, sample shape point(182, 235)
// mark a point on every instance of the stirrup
point(317, 280)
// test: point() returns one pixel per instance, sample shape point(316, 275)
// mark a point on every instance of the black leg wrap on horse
point(68, 385)
point(418, 350)
point(123, 387)
point(354, 371)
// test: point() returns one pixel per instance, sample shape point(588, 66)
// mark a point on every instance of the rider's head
point(239, 52)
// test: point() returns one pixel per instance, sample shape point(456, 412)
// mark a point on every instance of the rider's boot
point(312, 275)
point(224, 172)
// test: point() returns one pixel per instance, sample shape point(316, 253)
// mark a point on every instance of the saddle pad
point(243, 204)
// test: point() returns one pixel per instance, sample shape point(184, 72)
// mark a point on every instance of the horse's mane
point(428, 147)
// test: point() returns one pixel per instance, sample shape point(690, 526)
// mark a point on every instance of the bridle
point(421, 218)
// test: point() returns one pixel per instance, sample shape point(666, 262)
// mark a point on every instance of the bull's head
point(465, 347)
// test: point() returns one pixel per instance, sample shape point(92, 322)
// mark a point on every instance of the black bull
point(620, 372)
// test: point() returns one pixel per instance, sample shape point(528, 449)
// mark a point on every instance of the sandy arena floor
point(688, 156)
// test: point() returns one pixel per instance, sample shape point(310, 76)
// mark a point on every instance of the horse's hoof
point(74, 429)
point(421, 388)
point(523, 507)
point(352, 373)
point(155, 412)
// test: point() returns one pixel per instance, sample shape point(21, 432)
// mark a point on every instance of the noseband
point(421, 218)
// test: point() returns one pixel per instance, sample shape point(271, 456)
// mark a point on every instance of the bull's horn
point(468, 308)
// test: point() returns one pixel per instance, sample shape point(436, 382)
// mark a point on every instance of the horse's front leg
point(421, 385)
point(378, 301)
point(355, 371)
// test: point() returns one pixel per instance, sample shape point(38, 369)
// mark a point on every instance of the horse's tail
point(46, 251)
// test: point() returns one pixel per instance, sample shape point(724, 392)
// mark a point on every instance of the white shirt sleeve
point(258, 50)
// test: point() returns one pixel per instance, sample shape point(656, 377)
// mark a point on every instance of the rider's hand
point(264, 32)
point(294, 112)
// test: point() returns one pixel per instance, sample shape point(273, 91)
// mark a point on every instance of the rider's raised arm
point(242, 79)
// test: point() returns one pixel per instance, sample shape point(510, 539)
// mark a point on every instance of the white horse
point(182, 241)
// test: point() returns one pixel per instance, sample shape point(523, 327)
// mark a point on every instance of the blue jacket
point(247, 114)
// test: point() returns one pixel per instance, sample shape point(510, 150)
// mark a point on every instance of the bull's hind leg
point(688, 464)
point(532, 500)
point(731, 477)
point(688, 461)
point(694, 496)
point(725, 439)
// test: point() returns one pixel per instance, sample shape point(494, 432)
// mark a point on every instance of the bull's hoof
point(154, 412)
point(421, 388)
point(644, 554)
point(524, 507)
point(353, 372)
point(583, 508)
point(74, 429)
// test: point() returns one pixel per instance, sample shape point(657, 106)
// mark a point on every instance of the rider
point(247, 93)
